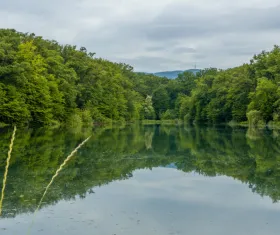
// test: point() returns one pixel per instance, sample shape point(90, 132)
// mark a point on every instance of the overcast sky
point(153, 35)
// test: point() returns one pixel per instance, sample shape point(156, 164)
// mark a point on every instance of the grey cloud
point(149, 63)
point(184, 50)
point(32, 7)
point(173, 26)
point(166, 37)
point(168, 47)
point(179, 22)
point(199, 56)
point(156, 48)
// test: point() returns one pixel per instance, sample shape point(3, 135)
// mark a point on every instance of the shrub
point(99, 117)
point(86, 117)
point(74, 120)
point(168, 115)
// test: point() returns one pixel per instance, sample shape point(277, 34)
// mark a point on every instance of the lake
point(141, 179)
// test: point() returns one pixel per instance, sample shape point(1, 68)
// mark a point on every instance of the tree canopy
point(45, 83)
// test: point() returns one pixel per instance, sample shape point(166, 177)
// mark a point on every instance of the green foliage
point(160, 101)
point(98, 117)
point(264, 98)
point(168, 115)
point(13, 109)
point(86, 117)
point(74, 120)
point(186, 82)
point(227, 95)
point(45, 83)
point(255, 118)
point(148, 109)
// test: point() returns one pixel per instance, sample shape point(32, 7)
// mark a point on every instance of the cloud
point(184, 50)
point(148, 63)
point(156, 48)
point(159, 201)
point(153, 35)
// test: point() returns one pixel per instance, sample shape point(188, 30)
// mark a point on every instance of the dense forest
point(45, 83)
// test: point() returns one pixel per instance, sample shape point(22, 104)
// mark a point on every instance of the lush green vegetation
point(45, 83)
point(113, 154)
point(247, 93)
point(42, 82)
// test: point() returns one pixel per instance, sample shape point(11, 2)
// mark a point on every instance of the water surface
point(143, 180)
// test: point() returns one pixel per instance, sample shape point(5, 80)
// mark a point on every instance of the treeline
point(45, 83)
point(246, 93)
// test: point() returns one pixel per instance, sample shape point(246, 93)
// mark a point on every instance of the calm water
point(143, 180)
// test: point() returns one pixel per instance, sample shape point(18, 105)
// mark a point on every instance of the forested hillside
point(45, 83)
point(249, 92)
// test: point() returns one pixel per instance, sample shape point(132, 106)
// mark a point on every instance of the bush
point(74, 120)
point(168, 115)
point(54, 124)
point(86, 117)
point(99, 117)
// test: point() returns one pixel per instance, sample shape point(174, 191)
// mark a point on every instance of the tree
point(160, 101)
point(149, 112)
point(263, 99)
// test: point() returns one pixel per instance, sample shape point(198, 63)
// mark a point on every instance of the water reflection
point(248, 156)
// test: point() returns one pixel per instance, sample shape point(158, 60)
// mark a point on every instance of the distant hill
point(174, 74)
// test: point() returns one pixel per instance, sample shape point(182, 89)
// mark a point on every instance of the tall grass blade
point(54, 176)
point(7, 169)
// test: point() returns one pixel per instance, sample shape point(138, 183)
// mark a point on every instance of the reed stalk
point(7, 169)
point(55, 175)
